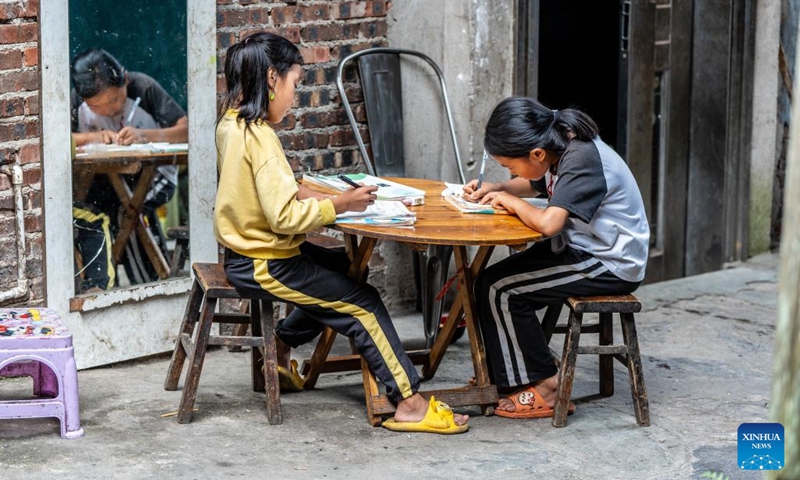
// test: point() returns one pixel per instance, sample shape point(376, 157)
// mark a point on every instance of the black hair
point(518, 125)
point(247, 64)
point(94, 71)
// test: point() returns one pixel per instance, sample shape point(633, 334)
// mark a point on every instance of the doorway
point(579, 60)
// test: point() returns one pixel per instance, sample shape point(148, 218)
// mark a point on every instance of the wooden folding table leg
point(370, 393)
point(466, 282)
point(457, 310)
point(190, 316)
point(318, 358)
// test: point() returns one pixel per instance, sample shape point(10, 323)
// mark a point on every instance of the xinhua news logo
point(760, 446)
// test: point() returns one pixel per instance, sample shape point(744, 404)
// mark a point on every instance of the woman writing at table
point(599, 240)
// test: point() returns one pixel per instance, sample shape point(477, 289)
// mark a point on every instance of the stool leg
point(71, 424)
point(638, 390)
point(256, 358)
point(190, 316)
point(567, 372)
point(270, 361)
point(606, 361)
point(196, 362)
point(240, 329)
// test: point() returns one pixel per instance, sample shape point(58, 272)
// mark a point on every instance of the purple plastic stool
point(35, 342)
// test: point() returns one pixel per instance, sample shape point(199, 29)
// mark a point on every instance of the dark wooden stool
point(210, 284)
point(627, 353)
point(181, 251)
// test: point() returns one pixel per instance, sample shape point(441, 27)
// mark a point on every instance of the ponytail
point(518, 125)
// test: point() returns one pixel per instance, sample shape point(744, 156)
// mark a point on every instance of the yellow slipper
point(289, 379)
point(438, 419)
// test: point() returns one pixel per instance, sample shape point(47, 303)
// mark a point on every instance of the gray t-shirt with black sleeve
point(606, 213)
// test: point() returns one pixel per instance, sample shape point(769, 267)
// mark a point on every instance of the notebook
point(387, 189)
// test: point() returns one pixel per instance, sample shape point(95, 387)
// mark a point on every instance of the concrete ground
point(706, 342)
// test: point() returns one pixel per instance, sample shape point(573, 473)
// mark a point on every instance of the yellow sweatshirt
point(257, 213)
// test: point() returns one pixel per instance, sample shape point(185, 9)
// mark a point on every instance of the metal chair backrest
point(379, 71)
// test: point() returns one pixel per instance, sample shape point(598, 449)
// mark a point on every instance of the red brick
point(281, 15)
point(12, 107)
point(31, 57)
point(324, 119)
point(304, 141)
point(233, 18)
point(32, 105)
point(29, 153)
point(5, 183)
point(10, 11)
point(6, 203)
point(32, 223)
point(360, 9)
point(32, 8)
point(16, 81)
point(342, 137)
point(32, 200)
point(32, 176)
point(9, 34)
point(373, 29)
point(225, 40)
point(325, 33)
point(11, 59)
point(320, 54)
point(29, 32)
point(33, 247)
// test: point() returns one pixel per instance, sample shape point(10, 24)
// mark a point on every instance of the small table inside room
point(117, 161)
point(436, 224)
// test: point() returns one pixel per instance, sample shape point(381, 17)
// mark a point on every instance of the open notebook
point(453, 194)
point(386, 213)
point(387, 189)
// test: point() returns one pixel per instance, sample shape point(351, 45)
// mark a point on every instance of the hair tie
point(555, 116)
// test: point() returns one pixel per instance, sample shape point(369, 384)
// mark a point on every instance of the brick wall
point(19, 141)
point(316, 134)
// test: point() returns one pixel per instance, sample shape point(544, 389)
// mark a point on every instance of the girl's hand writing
point(355, 199)
point(473, 194)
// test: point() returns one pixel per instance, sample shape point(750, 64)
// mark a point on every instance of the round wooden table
point(437, 224)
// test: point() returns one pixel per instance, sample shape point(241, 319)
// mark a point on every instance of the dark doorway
point(579, 60)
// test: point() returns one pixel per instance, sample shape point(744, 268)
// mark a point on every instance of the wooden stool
point(181, 251)
point(210, 284)
point(627, 353)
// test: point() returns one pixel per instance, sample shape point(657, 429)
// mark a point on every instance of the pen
point(483, 167)
point(349, 182)
point(133, 110)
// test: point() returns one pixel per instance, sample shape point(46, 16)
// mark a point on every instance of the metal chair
point(379, 71)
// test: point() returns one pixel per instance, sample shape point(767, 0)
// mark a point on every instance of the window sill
point(118, 296)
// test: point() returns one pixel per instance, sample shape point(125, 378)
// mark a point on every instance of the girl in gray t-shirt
point(598, 240)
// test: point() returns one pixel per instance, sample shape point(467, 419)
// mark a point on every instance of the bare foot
point(547, 388)
point(413, 409)
point(284, 352)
